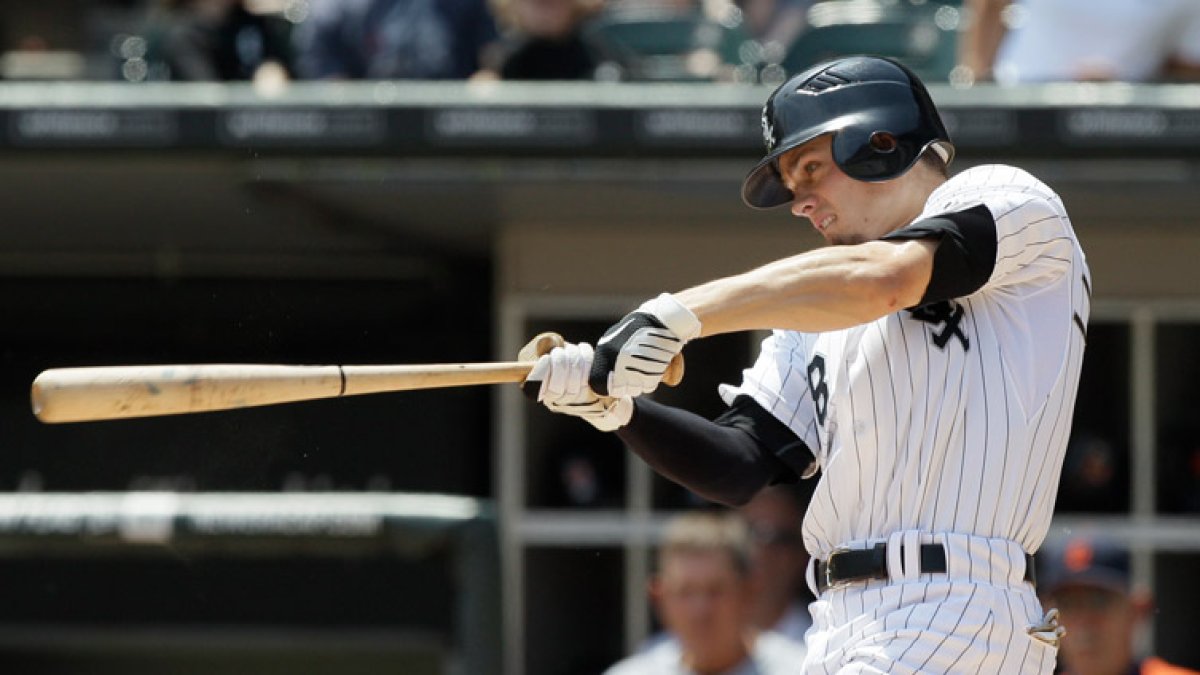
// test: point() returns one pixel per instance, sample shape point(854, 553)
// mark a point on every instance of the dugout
point(392, 222)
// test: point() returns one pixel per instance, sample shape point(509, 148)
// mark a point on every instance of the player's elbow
point(894, 277)
point(736, 489)
point(879, 292)
point(900, 289)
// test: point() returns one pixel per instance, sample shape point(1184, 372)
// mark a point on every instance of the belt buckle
point(830, 584)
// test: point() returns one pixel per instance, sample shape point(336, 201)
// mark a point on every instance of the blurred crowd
point(960, 41)
point(730, 597)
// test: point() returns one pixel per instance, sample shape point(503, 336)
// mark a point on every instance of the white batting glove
point(563, 374)
point(632, 356)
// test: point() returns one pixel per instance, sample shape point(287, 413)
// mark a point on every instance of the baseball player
point(925, 365)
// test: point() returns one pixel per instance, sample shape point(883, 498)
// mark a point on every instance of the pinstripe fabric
point(933, 627)
point(971, 619)
point(947, 419)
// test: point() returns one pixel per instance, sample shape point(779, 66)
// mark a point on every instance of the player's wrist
point(617, 414)
point(674, 315)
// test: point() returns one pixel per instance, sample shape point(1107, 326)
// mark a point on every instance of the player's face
point(704, 601)
point(1100, 628)
point(843, 210)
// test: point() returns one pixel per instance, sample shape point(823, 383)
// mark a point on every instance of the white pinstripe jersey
point(952, 417)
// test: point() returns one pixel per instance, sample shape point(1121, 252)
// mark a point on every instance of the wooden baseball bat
point(120, 392)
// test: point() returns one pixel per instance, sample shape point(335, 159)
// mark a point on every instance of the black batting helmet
point(879, 113)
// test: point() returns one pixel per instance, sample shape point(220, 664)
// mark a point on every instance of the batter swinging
point(925, 366)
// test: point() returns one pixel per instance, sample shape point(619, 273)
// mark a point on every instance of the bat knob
point(542, 343)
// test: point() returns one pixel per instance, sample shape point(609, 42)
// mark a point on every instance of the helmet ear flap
point(871, 155)
point(851, 152)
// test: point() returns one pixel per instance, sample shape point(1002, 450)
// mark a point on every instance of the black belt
point(859, 565)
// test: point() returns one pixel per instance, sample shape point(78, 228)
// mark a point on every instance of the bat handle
point(674, 374)
point(542, 343)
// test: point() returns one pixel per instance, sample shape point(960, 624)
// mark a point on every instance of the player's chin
point(837, 237)
point(843, 240)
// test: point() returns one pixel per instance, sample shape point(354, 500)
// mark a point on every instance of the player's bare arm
point(858, 281)
point(826, 289)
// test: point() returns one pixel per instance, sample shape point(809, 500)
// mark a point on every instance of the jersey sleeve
point(993, 235)
point(778, 383)
point(966, 252)
point(1034, 240)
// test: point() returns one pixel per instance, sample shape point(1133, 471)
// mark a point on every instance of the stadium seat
point(657, 45)
point(922, 35)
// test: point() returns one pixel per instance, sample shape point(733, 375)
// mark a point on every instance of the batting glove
point(632, 356)
point(560, 378)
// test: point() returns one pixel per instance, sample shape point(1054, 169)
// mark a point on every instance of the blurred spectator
point(774, 22)
point(666, 40)
point(223, 40)
point(1077, 40)
point(1095, 476)
point(579, 474)
point(703, 595)
point(778, 561)
point(44, 40)
point(667, 6)
point(545, 40)
point(1179, 468)
point(1088, 580)
point(393, 39)
point(1186, 493)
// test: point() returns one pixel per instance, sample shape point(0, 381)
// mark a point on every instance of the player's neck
point(921, 183)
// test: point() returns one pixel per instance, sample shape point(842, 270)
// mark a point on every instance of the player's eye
point(801, 173)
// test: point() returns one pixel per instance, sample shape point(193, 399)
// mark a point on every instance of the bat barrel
point(117, 392)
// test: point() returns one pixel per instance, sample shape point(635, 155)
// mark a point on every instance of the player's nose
point(803, 204)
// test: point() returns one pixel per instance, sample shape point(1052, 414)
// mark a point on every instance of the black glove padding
point(632, 355)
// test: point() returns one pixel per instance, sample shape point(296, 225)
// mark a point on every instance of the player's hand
point(633, 355)
point(559, 381)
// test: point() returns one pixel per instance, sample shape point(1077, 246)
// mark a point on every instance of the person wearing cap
point(925, 364)
point(1088, 580)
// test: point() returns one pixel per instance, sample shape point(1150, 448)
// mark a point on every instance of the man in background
point(1088, 581)
point(703, 594)
point(1022, 41)
point(393, 39)
point(778, 561)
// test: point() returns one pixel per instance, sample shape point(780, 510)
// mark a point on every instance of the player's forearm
point(826, 289)
point(720, 463)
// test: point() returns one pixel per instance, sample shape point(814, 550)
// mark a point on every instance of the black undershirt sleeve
point(966, 252)
point(726, 460)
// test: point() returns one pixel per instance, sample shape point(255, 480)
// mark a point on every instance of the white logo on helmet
point(768, 131)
